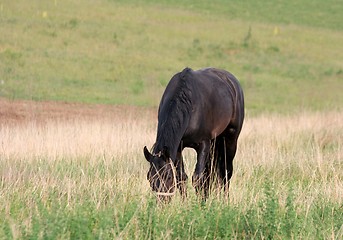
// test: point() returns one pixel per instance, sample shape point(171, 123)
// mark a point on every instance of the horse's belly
point(206, 128)
point(218, 130)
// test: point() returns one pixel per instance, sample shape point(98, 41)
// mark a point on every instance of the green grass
point(306, 13)
point(144, 219)
point(288, 56)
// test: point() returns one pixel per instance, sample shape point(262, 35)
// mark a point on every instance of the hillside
point(288, 57)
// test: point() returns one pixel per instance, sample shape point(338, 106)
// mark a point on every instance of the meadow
point(288, 56)
point(83, 176)
point(86, 179)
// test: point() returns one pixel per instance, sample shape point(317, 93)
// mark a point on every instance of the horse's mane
point(174, 114)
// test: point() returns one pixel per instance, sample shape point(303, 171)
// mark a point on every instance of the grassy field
point(86, 179)
point(83, 177)
point(288, 56)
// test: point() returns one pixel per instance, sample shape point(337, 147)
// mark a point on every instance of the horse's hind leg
point(225, 167)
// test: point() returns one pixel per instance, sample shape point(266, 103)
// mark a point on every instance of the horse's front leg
point(181, 176)
point(201, 176)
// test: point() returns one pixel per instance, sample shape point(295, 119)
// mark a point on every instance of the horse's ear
point(147, 154)
point(166, 152)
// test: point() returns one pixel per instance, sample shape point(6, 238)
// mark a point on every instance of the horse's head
point(162, 174)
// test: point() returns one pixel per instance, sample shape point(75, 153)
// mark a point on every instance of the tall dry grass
point(69, 155)
point(303, 152)
point(101, 161)
point(73, 138)
point(308, 145)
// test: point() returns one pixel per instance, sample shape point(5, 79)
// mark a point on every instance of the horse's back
point(221, 88)
point(217, 101)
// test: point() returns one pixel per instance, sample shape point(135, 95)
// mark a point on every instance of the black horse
point(203, 110)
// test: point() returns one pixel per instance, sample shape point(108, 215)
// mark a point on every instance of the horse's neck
point(174, 116)
point(170, 134)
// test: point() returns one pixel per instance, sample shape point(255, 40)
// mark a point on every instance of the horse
point(203, 110)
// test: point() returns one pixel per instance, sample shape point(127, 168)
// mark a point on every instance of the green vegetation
point(86, 179)
point(288, 55)
point(144, 219)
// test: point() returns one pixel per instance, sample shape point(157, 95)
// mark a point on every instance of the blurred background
point(288, 55)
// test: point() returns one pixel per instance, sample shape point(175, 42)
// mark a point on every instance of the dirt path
point(21, 111)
